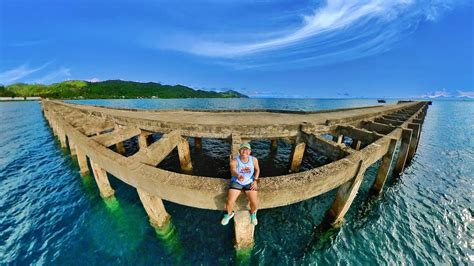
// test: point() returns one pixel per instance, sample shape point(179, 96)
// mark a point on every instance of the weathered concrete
point(384, 168)
point(274, 145)
point(184, 154)
point(297, 154)
point(198, 144)
point(244, 230)
point(102, 181)
point(416, 128)
point(155, 209)
point(82, 161)
point(344, 197)
point(93, 129)
point(403, 152)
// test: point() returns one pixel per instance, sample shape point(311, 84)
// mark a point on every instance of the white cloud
point(55, 75)
point(468, 94)
point(19, 72)
point(334, 31)
point(436, 94)
point(94, 80)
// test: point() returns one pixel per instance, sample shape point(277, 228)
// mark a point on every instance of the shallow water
point(51, 215)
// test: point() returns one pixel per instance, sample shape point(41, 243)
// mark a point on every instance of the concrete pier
point(375, 131)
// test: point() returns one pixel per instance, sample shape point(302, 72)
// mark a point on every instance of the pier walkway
point(353, 139)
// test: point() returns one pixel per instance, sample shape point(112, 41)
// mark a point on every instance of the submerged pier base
point(102, 181)
point(155, 209)
point(244, 230)
point(344, 197)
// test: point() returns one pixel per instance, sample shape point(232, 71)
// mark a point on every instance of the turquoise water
point(49, 214)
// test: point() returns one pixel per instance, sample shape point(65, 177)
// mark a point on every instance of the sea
point(51, 215)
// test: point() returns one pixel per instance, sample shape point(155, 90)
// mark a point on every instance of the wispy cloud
point(436, 94)
point(468, 94)
point(55, 75)
point(19, 72)
point(337, 30)
point(28, 43)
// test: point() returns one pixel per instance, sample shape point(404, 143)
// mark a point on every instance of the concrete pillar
point(414, 140)
point(384, 168)
point(143, 140)
point(120, 147)
point(297, 156)
point(403, 153)
point(344, 197)
point(358, 144)
point(184, 155)
point(274, 145)
point(72, 147)
point(82, 161)
point(198, 144)
point(62, 139)
point(339, 139)
point(102, 181)
point(244, 230)
point(155, 209)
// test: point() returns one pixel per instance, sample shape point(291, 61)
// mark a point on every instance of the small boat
point(381, 101)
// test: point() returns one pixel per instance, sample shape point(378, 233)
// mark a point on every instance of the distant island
point(110, 89)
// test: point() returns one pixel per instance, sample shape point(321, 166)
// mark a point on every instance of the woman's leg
point(252, 196)
point(231, 198)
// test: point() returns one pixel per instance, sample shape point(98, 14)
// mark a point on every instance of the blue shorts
point(237, 186)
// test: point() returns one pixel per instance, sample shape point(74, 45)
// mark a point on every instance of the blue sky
point(281, 48)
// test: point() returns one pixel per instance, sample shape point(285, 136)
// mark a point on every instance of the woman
point(245, 171)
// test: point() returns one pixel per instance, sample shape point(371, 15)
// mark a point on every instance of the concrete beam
point(158, 151)
point(184, 154)
point(344, 198)
point(102, 181)
point(384, 168)
point(388, 121)
point(403, 152)
point(244, 230)
point(155, 209)
point(377, 127)
point(332, 151)
point(357, 134)
point(117, 136)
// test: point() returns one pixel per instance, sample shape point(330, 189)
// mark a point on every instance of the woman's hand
point(254, 185)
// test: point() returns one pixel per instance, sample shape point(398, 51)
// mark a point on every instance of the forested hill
point(110, 89)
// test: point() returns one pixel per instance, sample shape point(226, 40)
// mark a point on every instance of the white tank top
point(245, 169)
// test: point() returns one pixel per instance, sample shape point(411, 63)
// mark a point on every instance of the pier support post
point(384, 168)
point(102, 181)
point(62, 138)
point(403, 152)
point(120, 147)
point(339, 139)
point(274, 145)
point(235, 145)
point(297, 156)
point(244, 230)
point(143, 140)
point(198, 144)
point(82, 161)
point(184, 155)
point(414, 140)
point(155, 209)
point(344, 197)
point(72, 147)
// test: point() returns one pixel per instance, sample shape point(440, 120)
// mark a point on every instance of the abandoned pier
point(389, 133)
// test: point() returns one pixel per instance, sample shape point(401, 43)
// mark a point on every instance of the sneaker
point(253, 218)
point(225, 220)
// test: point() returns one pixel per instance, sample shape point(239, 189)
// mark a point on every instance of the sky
point(262, 48)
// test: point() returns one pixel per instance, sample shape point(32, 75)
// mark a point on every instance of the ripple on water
point(49, 214)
